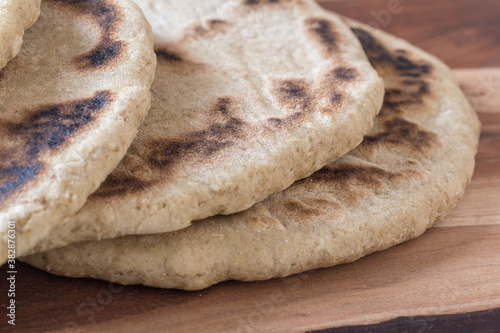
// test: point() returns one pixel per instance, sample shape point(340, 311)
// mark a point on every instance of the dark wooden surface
point(453, 269)
point(479, 321)
point(463, 33)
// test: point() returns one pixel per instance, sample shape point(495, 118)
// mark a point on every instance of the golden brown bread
point(72, 101)
point(248, 98)
point(409, 172)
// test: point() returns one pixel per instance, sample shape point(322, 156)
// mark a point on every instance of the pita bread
point(15, 17)
point(72, 101)
point(408, 173)
point(248, 98)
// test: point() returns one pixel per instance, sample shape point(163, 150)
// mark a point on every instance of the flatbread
point(15, 17)
point(72, 101)
point(248, 97)
point(408, 173)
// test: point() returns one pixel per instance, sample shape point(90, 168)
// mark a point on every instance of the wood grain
point(477, 321)
point(482, 87)
point(463, 33)
point(447, 270)
point(453, 268)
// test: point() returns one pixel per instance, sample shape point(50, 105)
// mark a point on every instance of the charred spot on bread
point(106, 16)
point(164, 156)
point(399, 132)
point(42, 131)
point(322, 30)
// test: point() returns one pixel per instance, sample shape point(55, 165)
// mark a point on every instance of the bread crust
point(409, 172)
point(247, 99)
point(15, 17)
point(72, 101)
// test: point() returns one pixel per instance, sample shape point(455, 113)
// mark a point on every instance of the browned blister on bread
point(72, 100)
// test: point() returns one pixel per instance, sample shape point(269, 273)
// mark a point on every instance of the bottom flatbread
point(408, 173)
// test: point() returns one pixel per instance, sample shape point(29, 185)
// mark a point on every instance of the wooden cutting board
point(453, 268)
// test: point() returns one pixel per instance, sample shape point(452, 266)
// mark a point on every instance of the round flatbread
point(15, 17)
point(409, 171)
point(72, 101)
point(249, 96)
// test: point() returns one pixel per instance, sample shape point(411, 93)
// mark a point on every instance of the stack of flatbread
point(178, 144)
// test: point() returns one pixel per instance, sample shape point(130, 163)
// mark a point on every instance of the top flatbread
point(71, 103)
point(15, 17)
point(248, 97)
point(409, 171)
